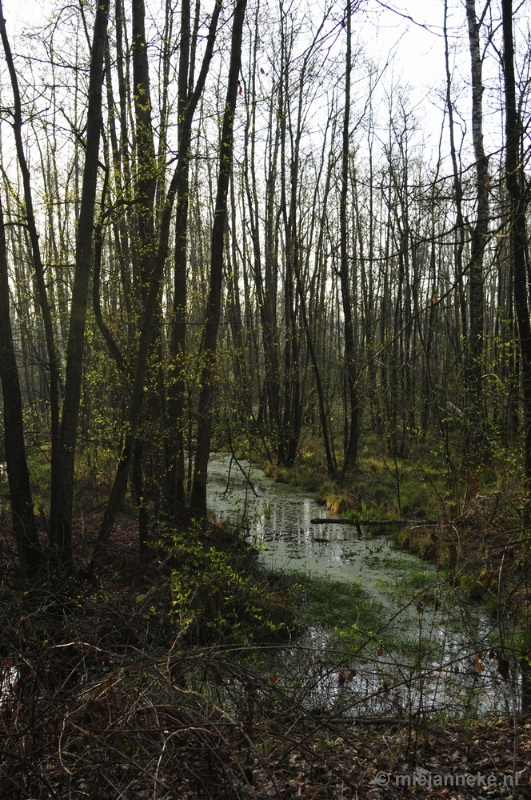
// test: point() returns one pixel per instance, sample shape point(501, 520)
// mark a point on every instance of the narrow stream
point(457, 663)
point(440, 655)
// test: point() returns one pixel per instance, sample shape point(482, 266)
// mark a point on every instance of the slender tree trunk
point(177, 382)
point(459, 243)
point(292, 413)
point(24, 525)
point(517, 229)
point(474, 354)
point(267, 288)
point(351, 448)
point(213, 311)
point(78, 308)
point(306, 310)
point(145, 245)
point(318, 382)
point(53, 361)
point(112, 346)
point(146, 162)
point(139, 492)
point(243, 378)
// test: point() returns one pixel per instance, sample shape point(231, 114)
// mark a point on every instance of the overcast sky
point(413, 32)
point(410, 30)
point(419, 49)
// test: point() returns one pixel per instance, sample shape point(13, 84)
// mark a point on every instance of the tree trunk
point(459, 243)
point(78, 308)
point(517, 228)
point(24, 525)
point(146, 163)
point(213, 310)
point(351, 445)
point(474, 353)
point(177, 382)
point(318, 382)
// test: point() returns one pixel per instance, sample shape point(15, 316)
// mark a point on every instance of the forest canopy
point(231, 226)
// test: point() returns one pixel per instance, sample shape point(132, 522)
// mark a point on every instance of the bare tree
point(79, 302)
point(351, 448)
point(474, 353)
point(517, 227)
point(213, 309)
point(53, 362)
point(24, 525)
point(152, 301)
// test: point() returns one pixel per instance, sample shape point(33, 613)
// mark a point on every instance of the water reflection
point(453, 666)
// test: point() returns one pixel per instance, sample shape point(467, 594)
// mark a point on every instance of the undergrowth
point(220, 593)
point(185, 678)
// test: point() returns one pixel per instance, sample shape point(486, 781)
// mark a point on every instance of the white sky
point(413, 36)
point(416, 36)
point(419, 51)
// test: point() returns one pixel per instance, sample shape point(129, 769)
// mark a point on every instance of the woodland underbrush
point(108, 689)
point(103, 676)
point(187, 677)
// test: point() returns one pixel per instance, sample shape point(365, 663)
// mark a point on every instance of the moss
point(345, 609)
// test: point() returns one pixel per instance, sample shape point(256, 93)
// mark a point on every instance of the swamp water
point(424, 651)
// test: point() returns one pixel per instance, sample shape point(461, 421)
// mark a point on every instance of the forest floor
point(141, 683)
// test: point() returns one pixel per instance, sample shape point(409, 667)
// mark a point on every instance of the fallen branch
point(345, 521)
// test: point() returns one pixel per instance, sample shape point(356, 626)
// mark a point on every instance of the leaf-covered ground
point(462, 760)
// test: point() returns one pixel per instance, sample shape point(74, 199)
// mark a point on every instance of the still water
point(453, 659)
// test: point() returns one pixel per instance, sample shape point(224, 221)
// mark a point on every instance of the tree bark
point(24, 525)
point(351, 448)
point(78, 308)
point(213, 310)
point(517, 230)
